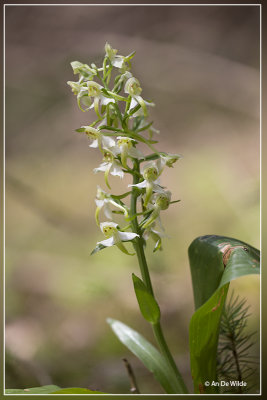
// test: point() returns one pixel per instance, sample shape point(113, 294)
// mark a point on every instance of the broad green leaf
point(207, 267)
point(76, 391)
point(147, 304)
point(37, 390)
point(148, 354)
point(214, 262)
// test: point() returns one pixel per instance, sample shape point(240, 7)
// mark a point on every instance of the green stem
point(139, 248)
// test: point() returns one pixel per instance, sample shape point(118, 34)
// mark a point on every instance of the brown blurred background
point(200, 65)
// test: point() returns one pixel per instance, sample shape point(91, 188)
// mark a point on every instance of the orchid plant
point(123, 135)
point(121, 128)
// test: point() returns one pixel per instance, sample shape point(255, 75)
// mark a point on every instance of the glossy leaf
point(147, 304)
point(148, 354)
point(214, 262)
point(37, 390)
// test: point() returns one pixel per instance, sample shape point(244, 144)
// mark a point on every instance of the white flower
point(155, 235)
point(94, 90)
point(116, 60)
point(168, 160)
point(104, 201)
point(126, 149)
point(151, 182)
point(97, 137)
point(133, 88)
point(110, 166)
point(160, 201)
point(84, 71)
point(115, 237)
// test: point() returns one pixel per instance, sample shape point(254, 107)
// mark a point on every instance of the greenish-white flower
point(151, 181)
point(110, 166)
point(97, 137)
point(133, 88)
point(85, 72)
point(104, 202)
point(167, 159)
point(125, 147)
point(160, 201)
point(155, 235)
point(116, 60)
point(94, 90)
point(115, 237)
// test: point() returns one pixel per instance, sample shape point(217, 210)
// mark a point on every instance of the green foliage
point(234, 362)
point(214, 262)
point(148, 354)
point(35, 390)
point(51, 389)
point(76, 391)
point(147, 303)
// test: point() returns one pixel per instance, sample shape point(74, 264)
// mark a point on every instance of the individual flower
point(116, 60)
point(76, 87)
point(94, 90)
point(167, 159)
point(110, 166)
point(97, 137)
point(103, 202)
point(126, 149)
point(115, 237)
point(133, 88)
point(160, 201)
point(84, 71)
point(155, 235)
point(150, 182)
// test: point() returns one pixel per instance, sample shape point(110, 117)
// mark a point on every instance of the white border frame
point(260, 93)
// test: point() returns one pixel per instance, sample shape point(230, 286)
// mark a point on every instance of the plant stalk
point(139, 248)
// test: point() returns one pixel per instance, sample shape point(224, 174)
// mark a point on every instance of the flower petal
point(140, 185)
point(135, 153)
point(105, 100)
point(118, 62)
point(107, 142)
point(126, 236)
point(94, 143)
point(116, 171)
point(107, 211)
point(107, 242)
point(99, 203)
point(102, 167)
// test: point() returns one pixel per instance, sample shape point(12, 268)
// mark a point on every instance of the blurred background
point(200, 65)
